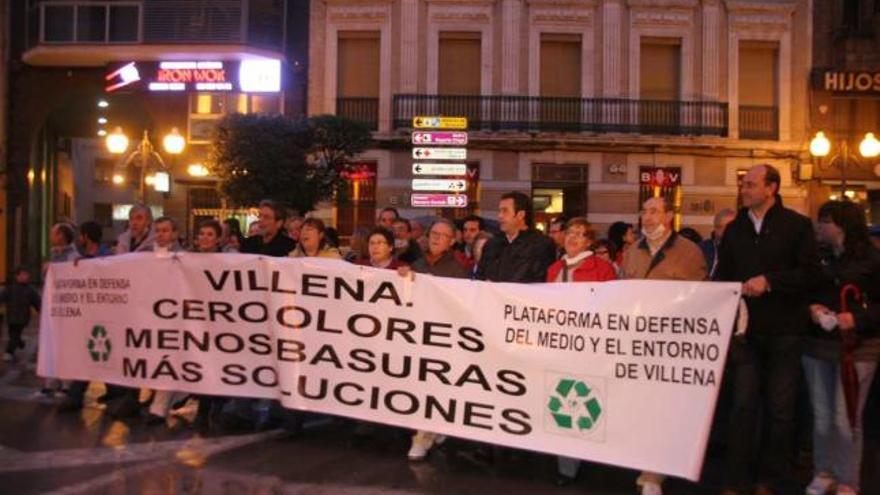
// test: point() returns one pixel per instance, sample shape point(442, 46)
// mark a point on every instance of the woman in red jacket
point(578, 264)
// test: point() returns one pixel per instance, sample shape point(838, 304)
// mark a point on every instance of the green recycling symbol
point(99, 344)
point(572, 404)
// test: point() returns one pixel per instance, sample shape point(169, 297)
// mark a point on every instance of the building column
point(511, 41)
point(711, 54)
point(409, 63)
point(612, 24)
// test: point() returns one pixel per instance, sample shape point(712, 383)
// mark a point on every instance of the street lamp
point(173, 143)
point(820, 147)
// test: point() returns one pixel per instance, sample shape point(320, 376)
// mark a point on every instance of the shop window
point(358, 208)
point(104, 168)
point(558, 190)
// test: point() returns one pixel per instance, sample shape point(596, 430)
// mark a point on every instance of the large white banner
point(625, 372)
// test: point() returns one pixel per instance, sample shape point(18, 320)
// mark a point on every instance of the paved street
point(44, 451)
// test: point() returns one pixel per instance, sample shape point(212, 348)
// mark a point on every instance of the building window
point(357, 76)
point(204, 198)
point(560, 105)
point(104, 168)
point(561, 65)
point(558, 190)
point(758, 90)
point(459, 74)
point(459, 63)
point(660, 69)
point(660, 85)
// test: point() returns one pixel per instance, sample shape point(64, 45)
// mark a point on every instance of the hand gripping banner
point(624, 373)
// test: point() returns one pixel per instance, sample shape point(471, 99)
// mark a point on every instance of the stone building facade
point(578, 102)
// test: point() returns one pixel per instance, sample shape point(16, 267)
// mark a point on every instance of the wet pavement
point(43, 450)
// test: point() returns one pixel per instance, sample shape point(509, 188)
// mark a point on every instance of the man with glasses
point(271, 239)
point(661, 255)
point(439, 260)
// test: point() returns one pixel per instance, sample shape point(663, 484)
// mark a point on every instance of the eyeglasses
point(439, 234)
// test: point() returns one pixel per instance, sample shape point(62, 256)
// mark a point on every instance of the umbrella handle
point(849, 337)
point(844, 292)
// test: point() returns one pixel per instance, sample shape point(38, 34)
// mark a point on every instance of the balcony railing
point(527, 113)
point(251, 22)
point(759, 122)
point(364, 110)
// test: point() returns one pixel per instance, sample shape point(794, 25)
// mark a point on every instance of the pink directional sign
point(439, 200)
point(440, 138)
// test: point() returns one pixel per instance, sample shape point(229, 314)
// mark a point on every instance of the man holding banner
point(661, 254)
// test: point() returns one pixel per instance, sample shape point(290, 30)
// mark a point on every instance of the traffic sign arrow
point(453, 185)
point(440, 153)
point(439, 200)
point(424, 168)
point(440, 138)
point(423, 122)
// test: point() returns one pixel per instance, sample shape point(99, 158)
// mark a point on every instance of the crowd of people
point(811, 289)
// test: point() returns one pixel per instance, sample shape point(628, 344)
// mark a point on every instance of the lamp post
point(820, 147)
point(173, 143)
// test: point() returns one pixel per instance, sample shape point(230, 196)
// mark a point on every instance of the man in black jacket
point(519, 253)
point(772, 251)
point(272, 239)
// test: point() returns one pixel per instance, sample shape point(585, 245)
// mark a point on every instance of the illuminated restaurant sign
point(247, 76)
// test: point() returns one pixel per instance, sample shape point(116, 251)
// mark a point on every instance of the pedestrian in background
point(847, 259)
point(622, 235)
point(270, 238)
point(20, 298)
point(139, 234)
point(358, 245)
point(710, 246)
point(387, 217)
point(556, 233)
point(406, 249)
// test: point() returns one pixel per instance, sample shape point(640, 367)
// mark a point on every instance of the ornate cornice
point(662, 17)
point(345, 12)
point(764, 15)
point(665, 4)
point(457, 11)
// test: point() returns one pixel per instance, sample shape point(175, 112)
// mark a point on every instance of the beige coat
point(678, 259)
point(325, 252)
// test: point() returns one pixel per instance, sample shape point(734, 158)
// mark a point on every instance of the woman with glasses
point(578, 264)
point(380, 247)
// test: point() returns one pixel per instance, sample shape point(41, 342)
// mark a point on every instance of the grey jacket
point(123, 244)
